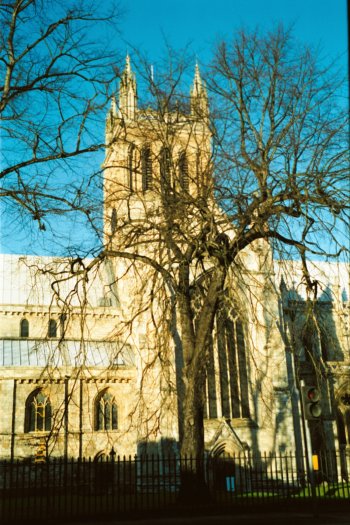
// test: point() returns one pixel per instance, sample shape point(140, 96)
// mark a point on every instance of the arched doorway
point(103, 472)
point(229, 467)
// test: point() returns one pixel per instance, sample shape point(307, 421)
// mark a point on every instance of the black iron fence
point(112, 485)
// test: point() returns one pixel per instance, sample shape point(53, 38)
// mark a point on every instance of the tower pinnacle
point(127, 92)
point(199, 97)
point(128, 65)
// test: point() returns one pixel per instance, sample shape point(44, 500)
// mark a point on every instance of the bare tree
point(56, 71)
point(180, 215)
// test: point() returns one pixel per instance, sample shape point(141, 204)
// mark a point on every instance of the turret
point(111, 116)
point(127, 93)
point(199, 97)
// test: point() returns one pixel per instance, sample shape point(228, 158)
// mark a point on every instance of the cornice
point(35, 311)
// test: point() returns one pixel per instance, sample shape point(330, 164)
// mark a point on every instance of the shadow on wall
point(311, 333)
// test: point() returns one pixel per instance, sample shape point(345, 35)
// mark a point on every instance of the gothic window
point(165, 170)
point(201, 175)
point(183, 171)
point(38, 412)
point(132, 169)
point(52, 331)
point(113, 221)
point(227, 379)
point(24, 328)
point(106, 411)
point(146, 167)
point(242, 364)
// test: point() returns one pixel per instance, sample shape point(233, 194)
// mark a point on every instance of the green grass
point(324, 491)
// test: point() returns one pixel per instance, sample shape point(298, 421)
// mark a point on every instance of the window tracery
point(106, 411)
point(38, 412)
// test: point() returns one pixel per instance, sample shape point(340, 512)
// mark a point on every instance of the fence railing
point(111, 485)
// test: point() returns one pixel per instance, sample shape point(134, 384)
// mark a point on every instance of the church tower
point(153, 154)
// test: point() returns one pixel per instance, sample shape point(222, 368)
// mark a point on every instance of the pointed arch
point(38, 412)
point(106, 411)
point(166, 178)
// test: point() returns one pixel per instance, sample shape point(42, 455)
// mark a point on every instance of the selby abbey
point(90, 355)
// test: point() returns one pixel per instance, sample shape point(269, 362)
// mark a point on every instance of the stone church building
point(86, 365)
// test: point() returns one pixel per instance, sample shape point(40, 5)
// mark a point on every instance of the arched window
point(228, 397)
point(24, 328)
point(52, 330)
point(146, 167)
point(38, 415)
point(183, 171)
point(132, 169)
point(106, 412)
point(200, 175)
point(113, 221)
point(165, 170)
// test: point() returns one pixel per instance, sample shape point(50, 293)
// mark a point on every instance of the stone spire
point(127, 92)
point(199, 97)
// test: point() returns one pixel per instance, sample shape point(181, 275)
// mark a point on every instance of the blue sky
point(148, 24)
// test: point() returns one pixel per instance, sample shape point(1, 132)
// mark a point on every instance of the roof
point(54, 353)
point(29, 280)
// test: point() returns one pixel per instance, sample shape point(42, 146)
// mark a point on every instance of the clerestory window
point(24, 328)
point(52, 329)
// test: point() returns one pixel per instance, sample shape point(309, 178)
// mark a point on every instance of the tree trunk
point(193, 484)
